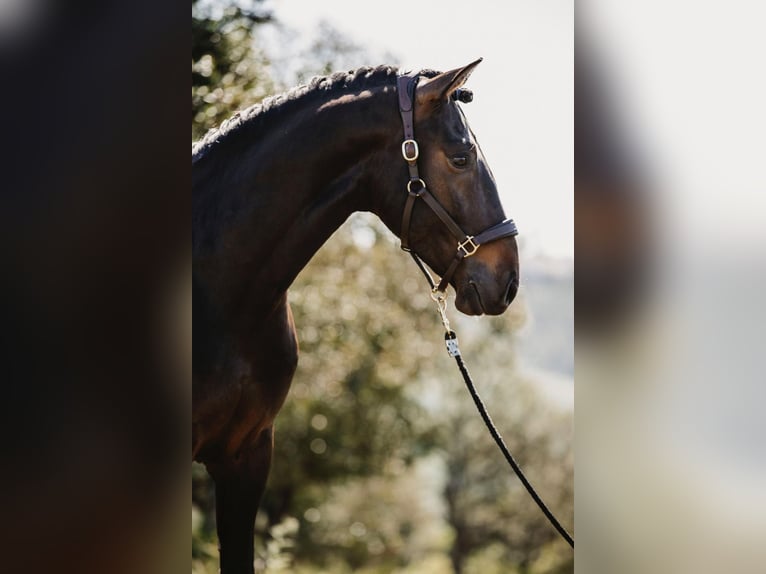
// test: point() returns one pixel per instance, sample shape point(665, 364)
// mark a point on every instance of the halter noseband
point(467, 245)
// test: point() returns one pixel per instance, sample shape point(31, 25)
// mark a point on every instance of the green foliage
point(487, 507)
point(229, 70)
point(353, 413)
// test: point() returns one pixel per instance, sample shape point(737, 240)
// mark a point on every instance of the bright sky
point(522, 112)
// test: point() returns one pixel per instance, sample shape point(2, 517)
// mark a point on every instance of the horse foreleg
point(238, 491)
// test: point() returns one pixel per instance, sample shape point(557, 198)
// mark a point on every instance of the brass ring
point(419, 191)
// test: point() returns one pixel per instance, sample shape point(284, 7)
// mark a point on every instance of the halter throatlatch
point(467, 245)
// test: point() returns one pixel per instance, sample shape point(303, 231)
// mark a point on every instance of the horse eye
point(460, 161)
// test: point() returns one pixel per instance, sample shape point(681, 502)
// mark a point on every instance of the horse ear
point(440, 88)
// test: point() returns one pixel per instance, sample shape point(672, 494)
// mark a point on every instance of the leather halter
point(467, 245)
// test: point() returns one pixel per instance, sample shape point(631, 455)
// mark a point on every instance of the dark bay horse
point(269, 187)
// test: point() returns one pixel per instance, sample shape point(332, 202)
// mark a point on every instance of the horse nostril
point(512, 289)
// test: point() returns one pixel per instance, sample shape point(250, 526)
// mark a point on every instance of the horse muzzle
point(478, 294)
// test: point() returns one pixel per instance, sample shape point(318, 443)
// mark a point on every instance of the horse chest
point(240, 398)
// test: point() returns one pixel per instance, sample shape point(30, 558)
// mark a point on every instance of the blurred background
point(669, 194)
point(381, 462)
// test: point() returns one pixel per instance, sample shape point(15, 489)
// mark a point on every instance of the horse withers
point(269, 187)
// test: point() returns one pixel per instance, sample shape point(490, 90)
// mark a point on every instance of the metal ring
point(418, 192)
point(415, 155)
point(438, 296)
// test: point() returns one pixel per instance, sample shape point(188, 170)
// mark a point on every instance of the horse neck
point(284, 193)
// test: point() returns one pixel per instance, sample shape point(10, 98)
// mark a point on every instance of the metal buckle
point(472, 246)
point(415, 155)
point(440, 298)
point(418, 192)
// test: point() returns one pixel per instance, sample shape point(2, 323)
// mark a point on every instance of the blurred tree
point(375, 393)
point(330, 51)
point(229, 70)
point(352, 412)
point(487, 507)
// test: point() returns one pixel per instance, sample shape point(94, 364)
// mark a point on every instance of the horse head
point(451, 165)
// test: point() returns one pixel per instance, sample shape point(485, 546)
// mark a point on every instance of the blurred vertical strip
point(670, 141)
point(94, 314)
point(611, 203)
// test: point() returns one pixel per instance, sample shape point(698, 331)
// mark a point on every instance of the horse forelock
point(329, 86)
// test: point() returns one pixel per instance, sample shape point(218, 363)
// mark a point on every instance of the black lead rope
point(452, 348)
point(450, 338)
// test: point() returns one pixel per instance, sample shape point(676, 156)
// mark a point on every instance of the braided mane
point(328, 87)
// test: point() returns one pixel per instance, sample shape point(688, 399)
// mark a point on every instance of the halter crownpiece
point(467, 245)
